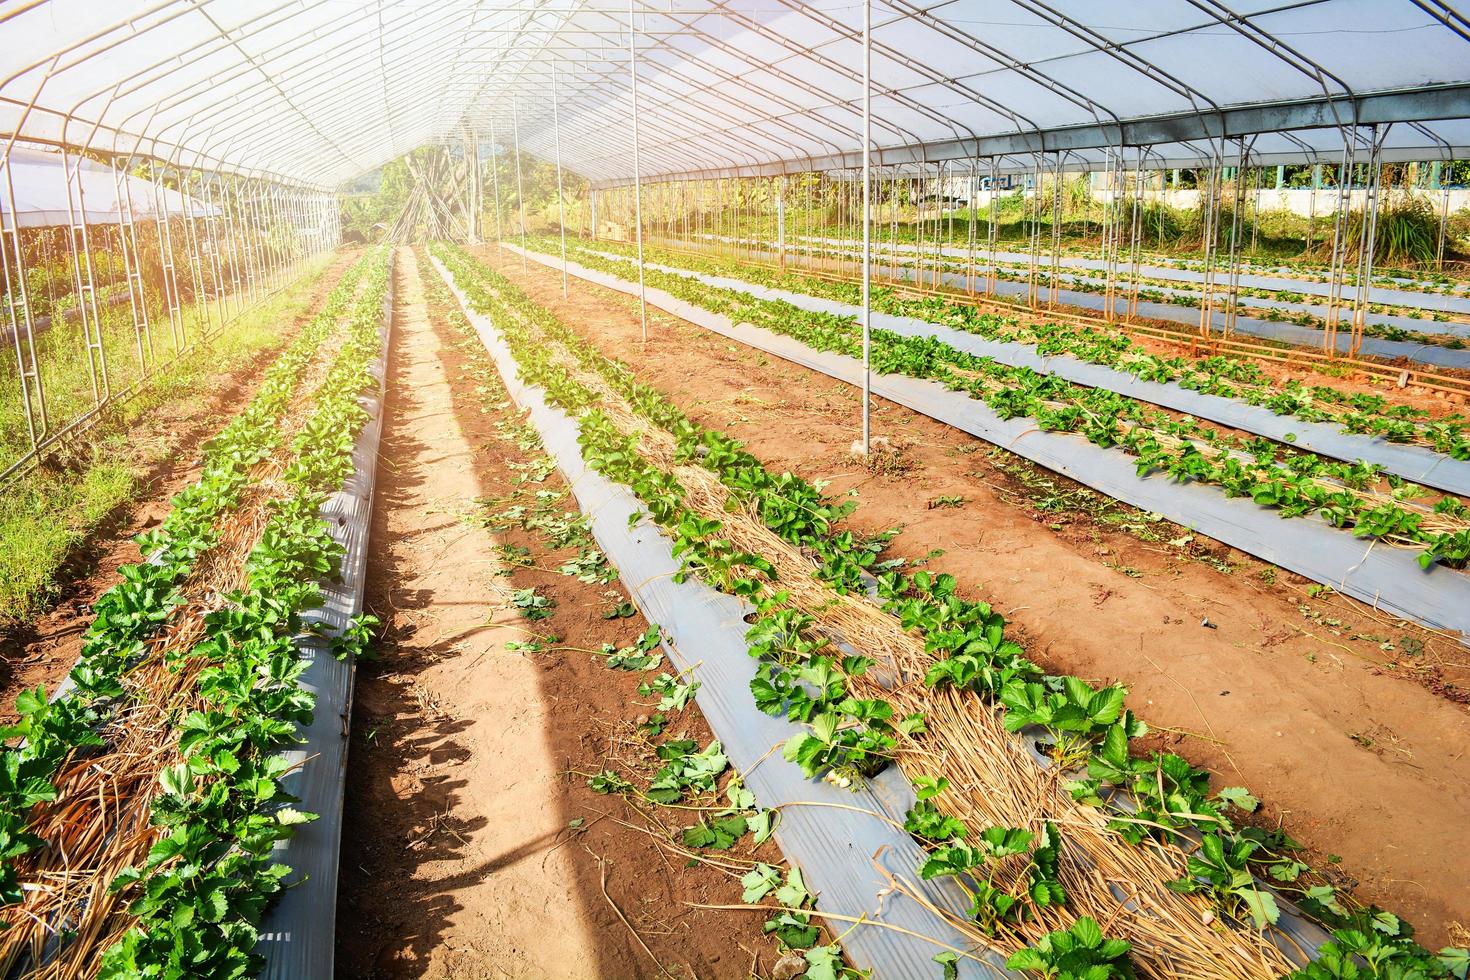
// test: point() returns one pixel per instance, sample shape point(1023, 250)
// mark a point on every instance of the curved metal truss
point(251, 111)
point(320, 92)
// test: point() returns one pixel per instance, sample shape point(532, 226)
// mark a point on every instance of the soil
point(166, 441)
point(1338, 376)
point(1358, 751)
point(473, 846)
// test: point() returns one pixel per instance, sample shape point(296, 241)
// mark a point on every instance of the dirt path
point(1287, 694)
point(469, 850)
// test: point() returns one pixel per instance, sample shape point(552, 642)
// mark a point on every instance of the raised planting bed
point(1397, 580)
point(858, 707)
point(1421, 463)
point(160, 770)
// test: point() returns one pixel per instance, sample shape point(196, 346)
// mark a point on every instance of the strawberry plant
point(847, 737)
point(130, 613)
point(1078, 953)
point(1221, 869)
point(207, 880)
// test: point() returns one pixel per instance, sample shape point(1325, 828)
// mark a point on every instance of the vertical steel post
point(637, 167)
point(1369, 239)
point(972, 191)
point(1139, 198)
point(1312, 203)
point(196, 260)
point(210, 226)
point(1340, 228)
point(993, 231)
point(1211, 233)
point(867, 219)
point(515, 122)
point(1034, 249)
point(82, 273)
point(171, 298)
point(1232, 295)
point(1058, 204)
point(781, 221)
point(127, 240)
point(495, 182)
point(561, 213)
point(22, 332)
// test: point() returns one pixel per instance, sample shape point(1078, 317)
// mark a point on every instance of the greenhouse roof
point(320, 92)
point(39, 188)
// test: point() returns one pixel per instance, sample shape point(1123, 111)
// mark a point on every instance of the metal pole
point(21, 327)
point(637, 167)
point(495, 183)
point(86, 293)
point(781, 221)
point(561, 214)
point(166, 255)
point(867, 217)
point(515, 122)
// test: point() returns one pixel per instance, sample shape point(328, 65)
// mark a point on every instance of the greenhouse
point(691, 489)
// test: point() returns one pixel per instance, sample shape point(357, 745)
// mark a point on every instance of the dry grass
point(993, 779)
point(98, 824)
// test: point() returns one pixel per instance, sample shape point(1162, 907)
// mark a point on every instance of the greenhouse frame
point(887, 370)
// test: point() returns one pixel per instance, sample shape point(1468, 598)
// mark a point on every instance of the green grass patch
point(46, 512)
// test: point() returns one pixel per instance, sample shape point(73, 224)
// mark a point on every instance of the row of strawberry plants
point(802, 678)
point(207, 880)
point(1091, 276)
point(1227, 377)
point(1301, 269)
point(1169, 292)
point(687, 778)
point(1295, 483)
point(48, 733)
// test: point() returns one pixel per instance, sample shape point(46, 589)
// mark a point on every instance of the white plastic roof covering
point(40, 187)
point(323, 91)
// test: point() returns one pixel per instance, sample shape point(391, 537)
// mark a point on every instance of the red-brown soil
point(166, 440)
point(472, 845)
point(1359, 752)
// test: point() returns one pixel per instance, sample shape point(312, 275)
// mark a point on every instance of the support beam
point(867, 220)
point(637, 167)
point(1430, 103)
point(561, 213)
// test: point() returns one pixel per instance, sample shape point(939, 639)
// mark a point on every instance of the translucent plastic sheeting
point(39, 182)
point(1388, 578)
point(1291, 333)
point(1418, 463)
point(822, 829)
point(325, 91)
point(1295, 935)
point(298, 936)
point(1248, 280)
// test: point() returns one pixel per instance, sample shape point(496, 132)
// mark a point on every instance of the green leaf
point(793, 894)
point(761, 825)
point(1262, 906)
point(1240, 798)
point(1087, 932)
point(759, 881)
point(824, 962)
point(1456, 961)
